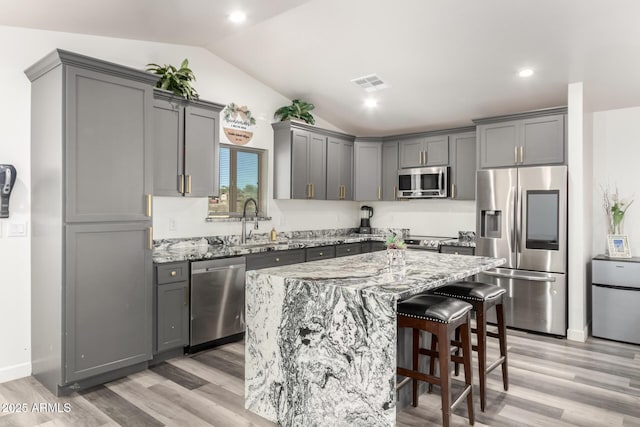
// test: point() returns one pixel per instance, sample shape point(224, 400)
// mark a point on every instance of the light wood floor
point(553, 382)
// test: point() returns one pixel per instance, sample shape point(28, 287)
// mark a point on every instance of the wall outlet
point(172, 224)
point(17, 229)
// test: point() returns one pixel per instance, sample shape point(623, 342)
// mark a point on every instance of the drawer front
point(347, 249)
point(172, 272)
point(321, 252)
point(275, 258)
point(378, 246)
point(457, 250)
point(616, 273)
point(365, 247)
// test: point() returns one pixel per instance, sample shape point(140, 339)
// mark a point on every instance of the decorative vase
point(396, 257)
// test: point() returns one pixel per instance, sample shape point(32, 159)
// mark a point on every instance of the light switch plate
point(17, 229)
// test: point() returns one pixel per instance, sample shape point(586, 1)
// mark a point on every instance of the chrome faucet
point(243, 237)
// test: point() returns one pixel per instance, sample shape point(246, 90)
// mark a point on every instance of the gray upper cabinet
point(463, 166)
point(339, 169)
point(108, 147)
point(526, 139)
point(186, 146)
point(301, 166)
point(368, 170)
point(424, 151)
point(107, 298)
point(389, 171)
point(92, 171)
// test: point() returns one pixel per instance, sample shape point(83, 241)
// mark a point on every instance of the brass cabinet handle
point(422, 157)
point(313, 190)
point(425, 157)
point(188, 184)
point(277, 259)
point(321, 253)
point(173, 273)
point(186, 295)
point(521, 154)
point(453, 191)
point(150, 238)
point(515, 154)
point(395, 193)
point(148, 196)
point(348, 250)
point(379, 193)
point(181, 181)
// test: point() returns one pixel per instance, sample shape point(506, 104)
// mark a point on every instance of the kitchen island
point(321, 336)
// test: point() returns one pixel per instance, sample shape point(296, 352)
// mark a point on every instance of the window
point(241, 175)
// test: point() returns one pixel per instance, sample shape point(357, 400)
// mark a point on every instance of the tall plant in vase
point(615, 209)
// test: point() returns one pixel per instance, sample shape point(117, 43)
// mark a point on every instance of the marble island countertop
point(321, 336)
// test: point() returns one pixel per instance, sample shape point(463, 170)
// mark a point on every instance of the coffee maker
point(7, 180)
point(366, 212)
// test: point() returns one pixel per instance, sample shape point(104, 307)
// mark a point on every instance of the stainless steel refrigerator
point(522, 217)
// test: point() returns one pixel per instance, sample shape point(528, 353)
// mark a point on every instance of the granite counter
point(321, 336)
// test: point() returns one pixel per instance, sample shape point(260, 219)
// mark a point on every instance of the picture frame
point(618, 245)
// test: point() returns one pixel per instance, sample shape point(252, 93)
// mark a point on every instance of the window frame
point(233, 176)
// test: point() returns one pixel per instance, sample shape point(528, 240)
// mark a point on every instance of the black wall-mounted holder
point(7, 180)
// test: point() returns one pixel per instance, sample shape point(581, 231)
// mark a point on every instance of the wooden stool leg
point(445, 378)
point(432, 359)
point(481, 328)
point(416, 361)
point(457, 353)
point(468, 371)
point(502, 338)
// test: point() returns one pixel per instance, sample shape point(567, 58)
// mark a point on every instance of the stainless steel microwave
point(422, 183)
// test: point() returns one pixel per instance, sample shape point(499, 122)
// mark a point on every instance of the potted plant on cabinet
point(176, 80)
point(297, 110)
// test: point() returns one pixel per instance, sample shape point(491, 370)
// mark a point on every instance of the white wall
point(616, 135)
point(217, 81)
point(430, 217)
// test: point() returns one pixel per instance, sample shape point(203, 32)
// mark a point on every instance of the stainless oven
point(420, 183)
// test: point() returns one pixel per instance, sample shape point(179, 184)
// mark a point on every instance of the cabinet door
point(172, 316)
point(201, 152)
point(346, 169)
point(168, 144)
point(542, 140)
point(368, 170)
point(498, 144)
point(411, 153)
point(437, 151)
point(463, 168)
point(107, 297)
point(109, 157)
point(334, 168)
point(299, 165)
point(317, 165)
point(389, 170)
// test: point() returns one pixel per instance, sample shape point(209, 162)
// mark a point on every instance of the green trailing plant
point(395, 242)
point(297, 110)
point(176, 80)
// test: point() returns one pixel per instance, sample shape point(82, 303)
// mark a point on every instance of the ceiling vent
point(370, 83)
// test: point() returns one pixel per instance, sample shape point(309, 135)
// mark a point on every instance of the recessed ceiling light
point(370, 103)
point(527, 72)
point(237, 17)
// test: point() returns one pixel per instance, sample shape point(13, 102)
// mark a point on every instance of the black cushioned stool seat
point(440, 316)
point(482, 296)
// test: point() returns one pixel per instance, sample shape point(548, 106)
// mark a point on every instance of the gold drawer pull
point(173, 273)
point(149, 205)
point(321, 253)
point(277, 259)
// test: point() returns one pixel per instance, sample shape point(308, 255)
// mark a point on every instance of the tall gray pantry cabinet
point(91, 179)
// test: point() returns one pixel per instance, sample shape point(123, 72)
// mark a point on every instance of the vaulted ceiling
point(445, 62)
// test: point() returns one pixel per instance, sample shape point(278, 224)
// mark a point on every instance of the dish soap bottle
point(273, 236)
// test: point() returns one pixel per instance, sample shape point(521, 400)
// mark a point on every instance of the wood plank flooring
point(553, 382)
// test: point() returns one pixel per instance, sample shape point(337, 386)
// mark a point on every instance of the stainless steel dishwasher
point(217, 299)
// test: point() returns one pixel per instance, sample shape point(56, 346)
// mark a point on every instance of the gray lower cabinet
point(424, 151)
point(463, 166)
point(368, 169)
point(348, 249)
point(92, 171)
point(457, 250)
point(320, 252)
point(339, 169)
point(389, 171)
point(275, 258)
point(378, 246)
point(172, 306)
point(527, 139)
point(186, 146)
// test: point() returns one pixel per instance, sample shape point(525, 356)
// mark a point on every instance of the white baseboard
point(14, 372)
point(580, 335)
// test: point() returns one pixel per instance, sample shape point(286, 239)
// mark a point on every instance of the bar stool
point(482, 296)
point(440, 316)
